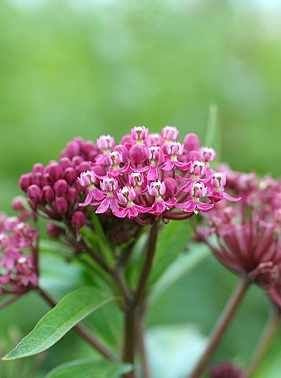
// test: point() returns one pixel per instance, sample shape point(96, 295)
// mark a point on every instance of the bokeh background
point(88, 67)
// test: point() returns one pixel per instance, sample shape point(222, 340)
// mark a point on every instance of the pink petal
point(104, 206)
point(205, 206)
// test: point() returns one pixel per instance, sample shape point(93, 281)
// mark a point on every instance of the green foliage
point(73, 308)
point(89, 369)
point(70, 70)
point(173, 238)
point(181, 266)
point(173, 350)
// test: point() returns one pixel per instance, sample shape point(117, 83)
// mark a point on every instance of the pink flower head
point(105, 143)
point(139, 134)
point(162, 173)
point(158, 168)
point(128, 208)
point(18, 256)
point(170, 133)
point(156, 157)
point(174, 152)
point(199, 199)
point(207, 154)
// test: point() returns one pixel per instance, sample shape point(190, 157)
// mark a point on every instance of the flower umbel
point(247, 234)
point(151, 175)
point(18, 256)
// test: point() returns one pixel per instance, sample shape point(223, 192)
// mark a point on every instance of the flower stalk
point(272, 326)
point(221, 326)
point(135, 312)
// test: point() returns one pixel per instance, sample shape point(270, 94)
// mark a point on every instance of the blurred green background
point(82, 67)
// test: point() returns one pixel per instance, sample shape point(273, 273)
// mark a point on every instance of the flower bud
point(138, 154)
point(34, 193)
point(38, 168)
point(48, 193)
point(191, 142)
point(60, 187)
point(71, 195)
point(54, 231)
point(18, 204)
point(61, 205)
point(25, 181)
point(78, 220)
point(54, 170)
point(70, 175)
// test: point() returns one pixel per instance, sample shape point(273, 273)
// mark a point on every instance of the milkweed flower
point(151, 175)
point(18, 256)
point(246, 236)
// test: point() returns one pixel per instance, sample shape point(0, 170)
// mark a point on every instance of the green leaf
point(89, 368)
point(173, 350)
point(182, 265)
point(172, 241)
point(73, 308)
point(59, 276)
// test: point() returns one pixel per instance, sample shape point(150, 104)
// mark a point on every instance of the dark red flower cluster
point(248, 233)
point(54, 191)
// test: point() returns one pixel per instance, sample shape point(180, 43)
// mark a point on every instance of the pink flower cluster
point(18, 256)
point(152, 175)
point(53, 190)
point(248, 233)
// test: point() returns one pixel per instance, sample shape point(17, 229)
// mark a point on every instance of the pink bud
point(65, 163)
point(48, 193)
point(70, 175)
point(61, 205)
point(53, 230)
point(77, 160)
point(38, 168)
point(34, 193)
point(60, 187)
point(54, 170)
point(78, 220)
point(191, 142)
point(18, 204)
point(71, 195)
point(72, 149)
point(25, 181)
point(138, 154)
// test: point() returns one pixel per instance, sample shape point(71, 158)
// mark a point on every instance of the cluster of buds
point(18, 256)
point(53, 190)
point(248, 233)
point(148, 176)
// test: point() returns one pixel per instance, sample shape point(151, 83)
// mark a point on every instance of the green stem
point(272, 326)
point(221, 326)
point(132, 326)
